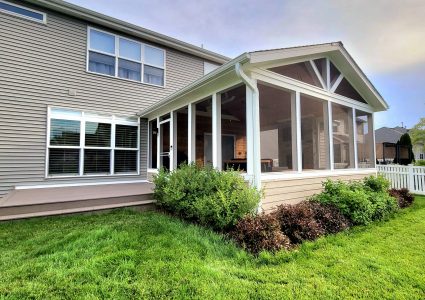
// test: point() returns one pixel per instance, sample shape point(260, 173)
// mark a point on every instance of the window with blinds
point(88, 144)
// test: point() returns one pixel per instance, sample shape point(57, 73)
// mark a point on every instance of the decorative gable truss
point(321, 73)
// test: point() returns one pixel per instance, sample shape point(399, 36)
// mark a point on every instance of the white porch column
point(173, 140)
point(253, 136)
point(328, 118)
point(371, 125)
point(216, 131)
point(191, 133)
point(296, 131)
point(158, 145)
point(356, 159)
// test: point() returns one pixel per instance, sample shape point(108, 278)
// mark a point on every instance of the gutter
point(128, 28)
point(255, 116)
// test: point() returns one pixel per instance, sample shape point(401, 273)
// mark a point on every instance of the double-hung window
point(81, 143)
point(113, 55)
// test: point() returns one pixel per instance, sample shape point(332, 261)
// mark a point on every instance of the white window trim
point(117, 56)
point(113, 120)
point(44, 21)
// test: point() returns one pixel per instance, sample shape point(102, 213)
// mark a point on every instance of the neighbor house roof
point(389, 135)
point(335, 51)
point(128, 28)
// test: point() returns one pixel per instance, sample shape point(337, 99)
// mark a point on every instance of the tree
point(417, 133)
point(404, 154)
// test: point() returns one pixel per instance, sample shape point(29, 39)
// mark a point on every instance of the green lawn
point(125, 254)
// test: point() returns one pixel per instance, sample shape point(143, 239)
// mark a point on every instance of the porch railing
point(410, 177)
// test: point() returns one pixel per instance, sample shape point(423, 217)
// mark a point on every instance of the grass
point(125, 254)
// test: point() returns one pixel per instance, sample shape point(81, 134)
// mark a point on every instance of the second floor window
point(120, 57)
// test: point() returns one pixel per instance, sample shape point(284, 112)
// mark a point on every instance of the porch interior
point(35, 202)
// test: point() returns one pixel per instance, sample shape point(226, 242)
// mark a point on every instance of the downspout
point(256, 180)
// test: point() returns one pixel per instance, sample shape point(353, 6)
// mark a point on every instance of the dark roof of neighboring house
point(389, 135)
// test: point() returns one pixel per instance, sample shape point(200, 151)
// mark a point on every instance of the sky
point(385, 37)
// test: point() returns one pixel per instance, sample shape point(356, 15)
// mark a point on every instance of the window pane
point(276, 130)
point(63, 161)
point(64, 132)
point(101, 63)
point(130, 49)
point(126, 136)
point(153, 75)
point(21, 11)
point(129, 70)
point(98, 134)
point(154, 56)
point(125, 161)
point(102, 41)
point(343, 136)
point(65, 112)
point(97, 161)
point(365, 147)
point(314, 134)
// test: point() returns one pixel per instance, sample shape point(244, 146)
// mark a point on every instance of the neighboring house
point(386, 139)
point(92, 106)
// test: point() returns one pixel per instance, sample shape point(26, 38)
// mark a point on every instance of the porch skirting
point(293, 188)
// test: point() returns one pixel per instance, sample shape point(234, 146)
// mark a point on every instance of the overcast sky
point(385, 37)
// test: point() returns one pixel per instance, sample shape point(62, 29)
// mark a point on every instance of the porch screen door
point(164, 144)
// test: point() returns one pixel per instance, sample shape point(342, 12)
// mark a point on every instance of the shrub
point(403, 196)
point(350, 198)
point(377, 183)
point(298, 222)
point(329, 217)
point(384, 205)
point(205, 195)
point(260, 232)
point(420, 163)
point(361, 202)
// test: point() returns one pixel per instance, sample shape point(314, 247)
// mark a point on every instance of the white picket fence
point(409, 177)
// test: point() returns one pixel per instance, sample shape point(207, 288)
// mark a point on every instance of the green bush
point(361, 202)
point(204, 195)
point(420, 163)
point(377, 183)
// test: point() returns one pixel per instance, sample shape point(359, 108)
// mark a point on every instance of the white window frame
point(91, 117)
point(44, 21)
point(117, 56)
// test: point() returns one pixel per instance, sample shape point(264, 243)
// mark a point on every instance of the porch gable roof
point(335, 51)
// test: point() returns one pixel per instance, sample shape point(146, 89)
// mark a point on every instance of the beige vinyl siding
point(39, 63)
point(291, 191)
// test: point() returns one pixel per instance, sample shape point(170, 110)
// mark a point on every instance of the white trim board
point(45, 186)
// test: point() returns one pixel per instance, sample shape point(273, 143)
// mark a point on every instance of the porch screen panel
point(276, 129)
point(343, 136)
point(233, 129)
point(203, 132)
point(314, 133)
point(365, 146)
point(182, 135)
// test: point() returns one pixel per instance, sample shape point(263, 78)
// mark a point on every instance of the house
point(92, 106)
point(386, 139)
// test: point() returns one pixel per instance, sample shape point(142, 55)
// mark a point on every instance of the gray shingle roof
point(389, 135)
